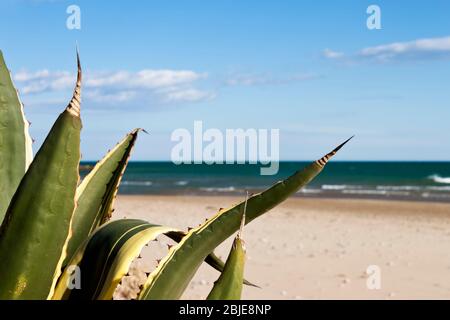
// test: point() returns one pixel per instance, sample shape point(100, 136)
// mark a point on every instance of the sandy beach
point(319, 248)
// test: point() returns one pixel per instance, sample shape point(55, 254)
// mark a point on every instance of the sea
point(425, 181)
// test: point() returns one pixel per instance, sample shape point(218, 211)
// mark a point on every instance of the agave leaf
point(229, 284)
point(106, 257)
point(33, 236)
point(173, 274)
point(122, 262)
point(62, 291)
point(15, 141)
point(212, 259)
point(96, 194)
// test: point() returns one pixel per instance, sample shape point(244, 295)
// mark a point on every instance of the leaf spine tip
point(75, 103)
point(243, 218)
point(323, 161)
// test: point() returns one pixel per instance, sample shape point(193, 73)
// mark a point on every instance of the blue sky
point(309, 68)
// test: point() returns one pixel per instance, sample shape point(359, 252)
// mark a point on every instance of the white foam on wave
point(377, 192)
point(137, 183)
point(435, 195)
point(399, 188)
point(438, 179)
point(309, 191)
point(225, 189)
point(438, 188)
point(181, 183)
point(336, 187)
point(414, 188)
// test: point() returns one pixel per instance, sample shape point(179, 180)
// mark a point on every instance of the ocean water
point(386, 180)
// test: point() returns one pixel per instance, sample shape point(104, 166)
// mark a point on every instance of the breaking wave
point(438, 179)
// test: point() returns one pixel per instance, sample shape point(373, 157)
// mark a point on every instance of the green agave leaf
point(173, 274)
point(212, 259)
point(135, 234)
point(33, 236)
point(15, 141)
point(106, 257)
point(96, 194)
point(229, 284)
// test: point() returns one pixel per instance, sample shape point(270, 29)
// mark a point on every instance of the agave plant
point(51, 223)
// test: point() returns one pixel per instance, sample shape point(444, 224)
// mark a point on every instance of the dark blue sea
point(386, 180)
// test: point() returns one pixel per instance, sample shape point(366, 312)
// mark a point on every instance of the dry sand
point(319, 248)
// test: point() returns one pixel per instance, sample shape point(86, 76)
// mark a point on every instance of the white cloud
point(43, 80)
point(330, 54)
point(165, 78)
point(34, 87)
point(26, 76)
point(107, 79)
point(191, 95)
point(146, 78)
point(108, 87)
point(420, 49)
point(117, 96)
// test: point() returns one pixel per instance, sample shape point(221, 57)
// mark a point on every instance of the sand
point(319, 248)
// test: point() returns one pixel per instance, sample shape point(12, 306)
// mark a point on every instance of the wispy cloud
point(113, 97)
point(144, 79)
point(43, 81)
point(330, 54)
point(251, 79)
point(420, 49)
point(190, 95)
point(164, 86)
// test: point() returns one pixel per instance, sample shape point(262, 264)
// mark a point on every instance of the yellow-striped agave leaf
point(96, 194)
point(106, 257)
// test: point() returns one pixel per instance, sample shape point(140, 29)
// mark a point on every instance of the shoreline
point(316, 248)
point(298, 195)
